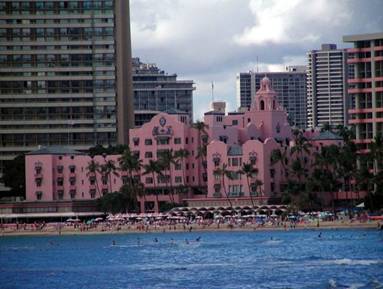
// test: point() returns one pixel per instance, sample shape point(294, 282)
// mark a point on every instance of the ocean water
point(292, 259)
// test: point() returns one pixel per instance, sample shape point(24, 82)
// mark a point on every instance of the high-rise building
point(290, 87)
point(366, 88)
point(326, 86)
point(156, 91)
point(65, 74)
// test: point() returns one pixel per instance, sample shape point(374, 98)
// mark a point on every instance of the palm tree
point(131, 164)
point(278, 156)
point(107, 169)
point(301, 144)
point(166, 159)
point(201, 127)
point(376, 153)
point(202, 143)
point(324, 177)
point(92, 170)
point(201, 154)
point(153, 168)
point(250, 172)
point(326, 127)
point(224, 173)
point(180, 156)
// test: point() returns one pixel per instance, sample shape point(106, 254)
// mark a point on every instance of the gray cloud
point(212, 40)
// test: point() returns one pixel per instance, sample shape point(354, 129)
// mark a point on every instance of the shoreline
point(195, 228)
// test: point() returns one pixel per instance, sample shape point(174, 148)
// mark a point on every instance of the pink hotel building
point(57, 175)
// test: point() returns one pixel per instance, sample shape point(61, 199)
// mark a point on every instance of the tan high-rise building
point(65, 74)
point(366, 87)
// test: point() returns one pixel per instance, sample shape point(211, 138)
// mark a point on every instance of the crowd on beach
point(165, 223)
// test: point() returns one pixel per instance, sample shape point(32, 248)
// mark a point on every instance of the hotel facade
point(366, 88)
point(56, 175)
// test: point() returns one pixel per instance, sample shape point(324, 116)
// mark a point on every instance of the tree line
point(334, 168)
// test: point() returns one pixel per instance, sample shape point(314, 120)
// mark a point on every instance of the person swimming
point(320, 235)
point(113, 243)
point(198, 239)
point(155, 240)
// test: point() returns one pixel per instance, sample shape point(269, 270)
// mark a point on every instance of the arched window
point(262, 105)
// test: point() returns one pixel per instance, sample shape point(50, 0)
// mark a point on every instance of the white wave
point(272, 242)
point(355, 286)
point(332, 283)
point(347, 261)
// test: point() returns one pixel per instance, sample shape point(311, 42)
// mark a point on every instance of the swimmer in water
point(320, 235)
point(186, 241)
point(113, 243)
point(198, 239)
point(155, 240)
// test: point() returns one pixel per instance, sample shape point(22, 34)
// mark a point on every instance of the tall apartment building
point(326, 86)
point(65, 74)
point(290, 87)
point(366, 88)
point(156, 91)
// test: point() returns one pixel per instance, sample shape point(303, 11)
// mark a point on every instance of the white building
point(326, 86)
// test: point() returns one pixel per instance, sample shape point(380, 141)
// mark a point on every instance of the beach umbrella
point(70, 220)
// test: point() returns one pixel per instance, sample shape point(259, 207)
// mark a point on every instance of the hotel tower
point(65, 74)
point(366, 88)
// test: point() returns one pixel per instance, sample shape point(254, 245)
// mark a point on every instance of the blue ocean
point(293, 259)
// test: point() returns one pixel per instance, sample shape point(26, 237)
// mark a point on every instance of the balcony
point(360, 120)
point(358, 60)
point(356, 50)
point(359, 90)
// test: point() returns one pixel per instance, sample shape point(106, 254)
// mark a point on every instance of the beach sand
point(124, 229)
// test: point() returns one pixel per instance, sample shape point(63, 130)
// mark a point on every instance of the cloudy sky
point(213, 40)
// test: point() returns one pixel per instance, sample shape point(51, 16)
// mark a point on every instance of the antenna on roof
point(257, 64)
point(212, 91)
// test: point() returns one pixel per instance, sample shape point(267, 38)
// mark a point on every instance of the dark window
point(148, 142)
point(39, 195)
point(60, 182)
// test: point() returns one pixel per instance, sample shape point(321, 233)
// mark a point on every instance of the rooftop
point(361, 37)
point(327, 135)
point(55, 150)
